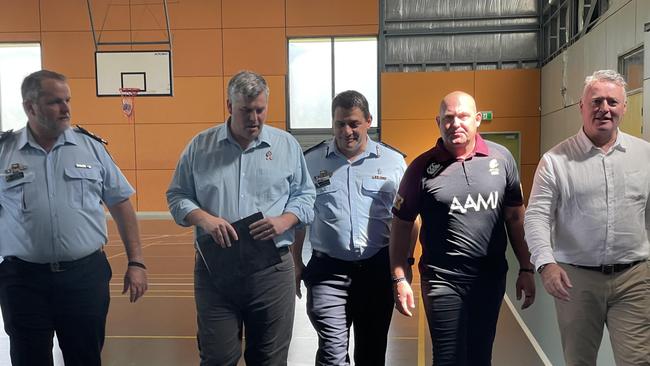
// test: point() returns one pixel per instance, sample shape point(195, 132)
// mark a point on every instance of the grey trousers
point(259, 306)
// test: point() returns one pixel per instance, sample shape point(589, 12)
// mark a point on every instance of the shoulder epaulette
point(6, 135)
point(391, 148)
point(314, 147)
point(84, 131)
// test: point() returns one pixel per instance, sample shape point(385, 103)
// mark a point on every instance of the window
point(630, 65)
point(17, 60)
point(565, 21)
point(319, 68)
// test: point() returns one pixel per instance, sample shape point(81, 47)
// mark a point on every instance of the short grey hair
point(247, 84)
point(32, 87)
point(610, 76)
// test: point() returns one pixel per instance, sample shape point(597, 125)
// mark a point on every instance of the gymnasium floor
point(160, 328)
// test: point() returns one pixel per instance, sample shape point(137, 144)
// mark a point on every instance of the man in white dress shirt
point(587, 229)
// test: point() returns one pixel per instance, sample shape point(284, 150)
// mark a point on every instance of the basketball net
point(128, 102)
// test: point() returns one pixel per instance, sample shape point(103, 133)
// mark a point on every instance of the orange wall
point(410, 102)
point(212, 40)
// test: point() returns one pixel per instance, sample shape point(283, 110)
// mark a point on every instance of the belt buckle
point(607, 268)
point(55, 267)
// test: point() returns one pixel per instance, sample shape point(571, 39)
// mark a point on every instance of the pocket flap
point(76, 173)
point(28, 177)
point(378, 185)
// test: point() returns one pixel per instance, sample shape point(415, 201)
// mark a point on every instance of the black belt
point(54, 266)
point(321, 255)
point(610, 268)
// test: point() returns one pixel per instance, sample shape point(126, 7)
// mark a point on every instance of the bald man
point(464, 189)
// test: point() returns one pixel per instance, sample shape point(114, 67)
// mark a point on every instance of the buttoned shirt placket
point(50, 180)
point(610, 188)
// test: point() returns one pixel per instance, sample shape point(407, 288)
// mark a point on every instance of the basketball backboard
point(149, 71)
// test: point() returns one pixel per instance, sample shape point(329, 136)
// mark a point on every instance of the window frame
point(3, 124)
point(326, 132)
point(622, 67)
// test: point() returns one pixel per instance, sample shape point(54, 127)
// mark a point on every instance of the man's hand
point(135, 280)
point(270, 227)
point(299, 269)
point(526, 285)
point(220, 230)
point(556, 281)
point(404, 299)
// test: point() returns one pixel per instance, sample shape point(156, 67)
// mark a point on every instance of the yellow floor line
point(421, 334)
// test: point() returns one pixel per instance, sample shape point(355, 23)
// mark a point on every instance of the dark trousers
point(37, 302)
point(462, 323)
point(341, 294)
point(262, 302)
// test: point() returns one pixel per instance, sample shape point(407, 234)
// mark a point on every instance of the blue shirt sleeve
point(181, 194)
point(302, 192)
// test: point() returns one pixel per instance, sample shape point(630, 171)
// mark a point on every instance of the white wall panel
point(642, 17)
point(552, 86)
point(557, 126)
point(620, 33)
point(646, 107)
point(552, 130)
point(595, 51)
point(576, 70)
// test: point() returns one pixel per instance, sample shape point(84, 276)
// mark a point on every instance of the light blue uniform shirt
point(353, 199)
point(216, 175)
point(54, 212)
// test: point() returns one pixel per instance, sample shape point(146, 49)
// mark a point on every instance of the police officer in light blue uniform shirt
point(75, 178)
point(348, 277)
point(227, 173)
point(55, 276)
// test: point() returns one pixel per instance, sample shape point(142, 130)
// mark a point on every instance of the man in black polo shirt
point(464, 189)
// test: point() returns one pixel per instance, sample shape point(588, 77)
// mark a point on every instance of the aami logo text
point(477, 204)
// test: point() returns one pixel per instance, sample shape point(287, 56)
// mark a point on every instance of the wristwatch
point(541, 268)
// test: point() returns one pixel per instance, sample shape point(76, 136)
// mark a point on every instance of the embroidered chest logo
point(269, 155)
point(494, 167)
point(477, 204)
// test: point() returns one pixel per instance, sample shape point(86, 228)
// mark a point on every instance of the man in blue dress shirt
point(348, 277)
point(55, 276)
point(227, 173)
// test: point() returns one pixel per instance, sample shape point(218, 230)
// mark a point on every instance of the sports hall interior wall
point(214, 39)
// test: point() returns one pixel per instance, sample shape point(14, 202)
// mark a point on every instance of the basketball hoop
point(128, 102)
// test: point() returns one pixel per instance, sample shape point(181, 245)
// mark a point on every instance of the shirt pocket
point(636, 186)
point(328, 202)
point(275, 185)
point(13, 199)
point(84, 187)
point(382, 194)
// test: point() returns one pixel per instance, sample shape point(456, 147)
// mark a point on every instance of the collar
point(225, 134)
point(372, 149)
point(440, 153)
point(25, 137)
point(585, 144)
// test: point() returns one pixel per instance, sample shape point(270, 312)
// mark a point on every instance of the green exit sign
point(486, 115)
